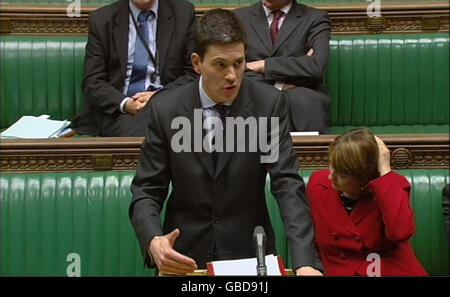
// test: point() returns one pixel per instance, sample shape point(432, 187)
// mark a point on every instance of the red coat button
point(335, 236)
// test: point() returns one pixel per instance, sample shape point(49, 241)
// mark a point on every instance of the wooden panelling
point(408, 151)
point(21, 19)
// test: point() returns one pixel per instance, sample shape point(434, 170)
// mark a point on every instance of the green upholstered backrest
point(395, 79)
point(395, 83)
point(40, 75)
point(45, 217)
point(426, 198)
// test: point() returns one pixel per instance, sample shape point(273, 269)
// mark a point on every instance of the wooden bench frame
point(408, 151)
point(412, 17)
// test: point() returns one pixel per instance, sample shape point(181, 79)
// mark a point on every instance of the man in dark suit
point(217, 198)
point(135, 47)
point(446, 209)
point(288, 48)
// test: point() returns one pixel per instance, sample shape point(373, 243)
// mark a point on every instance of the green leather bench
point(391, 83)
point(46, 217)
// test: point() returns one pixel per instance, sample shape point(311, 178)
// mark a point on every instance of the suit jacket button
point(216, 220)
point(358, 239)
point(342, 256)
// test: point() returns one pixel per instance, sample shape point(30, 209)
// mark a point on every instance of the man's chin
point(227, 98)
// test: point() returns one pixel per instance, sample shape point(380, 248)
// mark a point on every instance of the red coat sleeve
point(392, 193)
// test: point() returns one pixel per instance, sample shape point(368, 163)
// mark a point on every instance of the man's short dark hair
point(218, 26)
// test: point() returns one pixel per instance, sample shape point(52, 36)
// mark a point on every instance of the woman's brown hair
point(355, 153)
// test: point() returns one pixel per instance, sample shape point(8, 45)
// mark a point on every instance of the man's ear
point(196, 60)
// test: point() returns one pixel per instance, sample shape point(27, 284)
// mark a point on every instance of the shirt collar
point(136, 11)
point(285, 9)
point(205, 100)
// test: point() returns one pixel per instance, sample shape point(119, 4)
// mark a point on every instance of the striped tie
point(141, 58)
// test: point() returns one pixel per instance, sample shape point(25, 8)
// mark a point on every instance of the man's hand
point(138, 102)
point(144, 97)
point(384, 157)
point(133, 107)
point(257, 66)
point(308, 270)
point(167, 259)
point(310, 52)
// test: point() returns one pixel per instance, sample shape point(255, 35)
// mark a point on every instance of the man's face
point(143, 4)
point(276, 4)
point(222, 70)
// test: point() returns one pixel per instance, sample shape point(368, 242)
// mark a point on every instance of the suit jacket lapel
point(190, 106)
point(238, 109)
point(291, 21)
point(120, 36)
point(164, 33)
point(260, 25)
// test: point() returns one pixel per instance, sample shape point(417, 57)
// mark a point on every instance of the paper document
point(275, 266)
point(305, 133)
point(35, 127)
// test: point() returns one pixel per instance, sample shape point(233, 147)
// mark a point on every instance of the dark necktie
point(141, 58)
point(223, 111)
point(277, 14)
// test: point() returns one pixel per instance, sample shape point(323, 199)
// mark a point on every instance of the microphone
point(259, 240)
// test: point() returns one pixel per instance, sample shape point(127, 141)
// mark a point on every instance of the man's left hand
point(308, 270)
point(257, 66)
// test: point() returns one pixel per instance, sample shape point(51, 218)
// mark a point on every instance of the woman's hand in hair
point(384, 157)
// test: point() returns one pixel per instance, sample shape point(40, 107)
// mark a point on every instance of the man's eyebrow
point(220, 59)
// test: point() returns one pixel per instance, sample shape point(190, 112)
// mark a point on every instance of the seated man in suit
point(218, 195)
point(446, 209)
point(135, 47)
point(288, 48)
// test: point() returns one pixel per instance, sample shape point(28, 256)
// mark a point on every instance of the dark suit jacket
point(446, 209)
point(107, 54)
point(217, 210)
point(303, 28)
point(381, 225)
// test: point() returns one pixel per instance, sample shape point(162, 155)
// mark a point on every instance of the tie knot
point(144, 15)
point(277, 14)
point(222, 109)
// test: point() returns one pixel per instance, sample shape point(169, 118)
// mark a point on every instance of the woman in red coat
point(361, 210)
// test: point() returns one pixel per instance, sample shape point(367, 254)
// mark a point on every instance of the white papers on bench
point(275, 266)
point(35, 127)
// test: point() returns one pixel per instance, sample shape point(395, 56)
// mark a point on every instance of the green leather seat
point(396, 83)
point(45, 217)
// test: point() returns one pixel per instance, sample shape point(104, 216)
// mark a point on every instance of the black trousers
point(125, 124)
